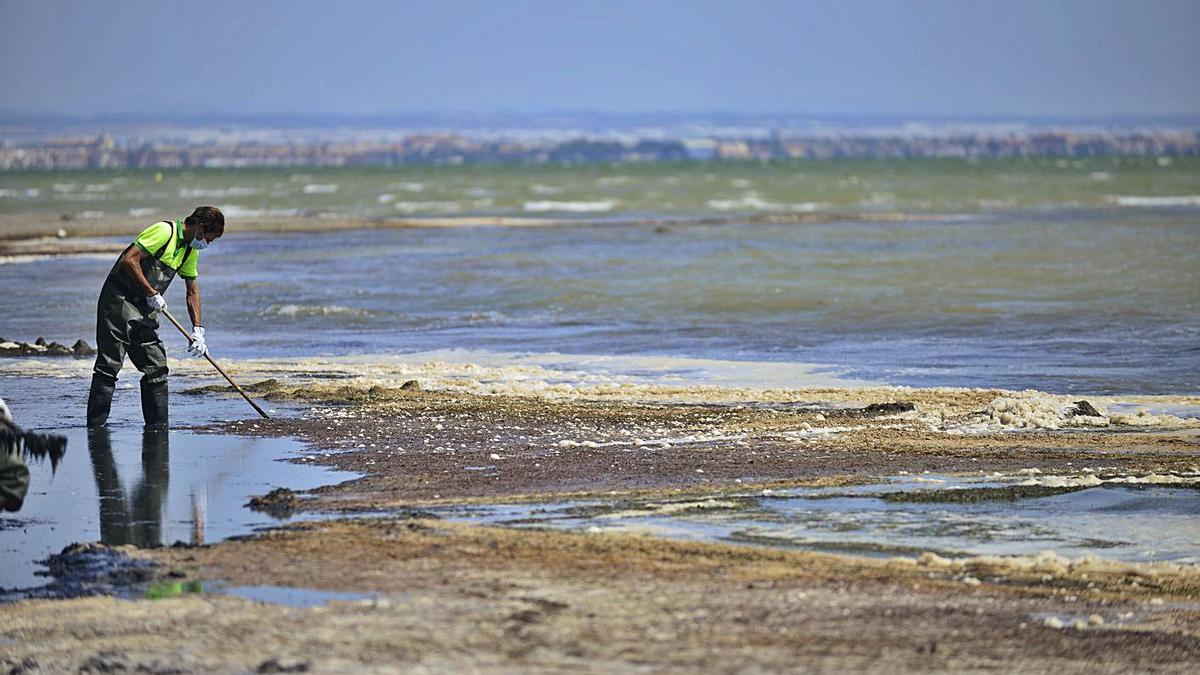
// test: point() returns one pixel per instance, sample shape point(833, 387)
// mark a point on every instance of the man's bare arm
point(193, 300)
point(132, 262)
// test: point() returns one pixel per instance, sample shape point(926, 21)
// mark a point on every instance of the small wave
point(235, 211)
point(387, 198)
point(408, 187)
point(426, 207)
point(30, 192)
point(291, 310)
point(216, 193)
point(573, 207)
point(320, 188)
point(98, 187)
point(539, 189)
point(91, 214)
point(1138, 200)
point(141, 212)
point(753, 202)
point(65, 187)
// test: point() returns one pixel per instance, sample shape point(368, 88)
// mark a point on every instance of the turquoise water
point(622, 190)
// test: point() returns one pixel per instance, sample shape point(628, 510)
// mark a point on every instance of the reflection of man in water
point(138, 519)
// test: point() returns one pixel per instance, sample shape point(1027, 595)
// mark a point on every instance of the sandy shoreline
point(453, 596)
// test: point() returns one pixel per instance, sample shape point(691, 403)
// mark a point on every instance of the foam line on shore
point(678, 380)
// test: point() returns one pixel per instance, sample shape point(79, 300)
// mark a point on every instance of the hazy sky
point(953, 57)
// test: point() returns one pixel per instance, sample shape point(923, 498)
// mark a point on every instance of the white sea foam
point(1092, 480)
point(539, 189)
point(141, 212)
point(556, 375)
point(1138, 200)
point(91, 214)
point(1032, 409)
point(97, 187)
point(573, 207)
point(408, 187)
point(320, 188)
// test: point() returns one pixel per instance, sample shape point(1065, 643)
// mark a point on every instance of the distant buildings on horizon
point(103, 152)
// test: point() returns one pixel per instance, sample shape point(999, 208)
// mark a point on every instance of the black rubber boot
point(99, 401)
point(154, 405)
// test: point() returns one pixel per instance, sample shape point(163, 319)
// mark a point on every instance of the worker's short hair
point(210, 217)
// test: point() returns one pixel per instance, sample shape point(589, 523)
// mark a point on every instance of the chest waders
point(125, 325)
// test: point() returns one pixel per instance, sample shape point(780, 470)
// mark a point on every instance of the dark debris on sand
point(82, 570)
point(279, 503)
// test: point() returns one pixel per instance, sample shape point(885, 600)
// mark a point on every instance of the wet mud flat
point(420, 447)
point(449, 595)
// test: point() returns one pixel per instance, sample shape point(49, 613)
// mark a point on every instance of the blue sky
point(940, 57)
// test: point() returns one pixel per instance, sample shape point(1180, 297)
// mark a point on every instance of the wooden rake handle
point(214, 365)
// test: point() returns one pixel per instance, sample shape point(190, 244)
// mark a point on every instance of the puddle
point(275, 595)
point(148, 489)
point(283, 595)
point(909, 515)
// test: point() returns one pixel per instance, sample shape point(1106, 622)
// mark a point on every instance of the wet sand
point(451, 596)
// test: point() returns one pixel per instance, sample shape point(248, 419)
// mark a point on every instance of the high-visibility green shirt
point(165, 232)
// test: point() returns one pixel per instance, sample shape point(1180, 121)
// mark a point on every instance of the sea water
point(1065, 288)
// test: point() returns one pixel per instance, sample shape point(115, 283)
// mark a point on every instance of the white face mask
point(199, 243)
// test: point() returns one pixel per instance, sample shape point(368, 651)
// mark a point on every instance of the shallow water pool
point(148, 489)
point(903, 517)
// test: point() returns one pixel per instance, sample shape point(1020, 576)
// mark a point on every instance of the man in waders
point(127, 313)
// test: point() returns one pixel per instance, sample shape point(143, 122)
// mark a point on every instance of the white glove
point(156, 303)
point(198, 348)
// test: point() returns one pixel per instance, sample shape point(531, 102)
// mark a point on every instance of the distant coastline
point(103, 151)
